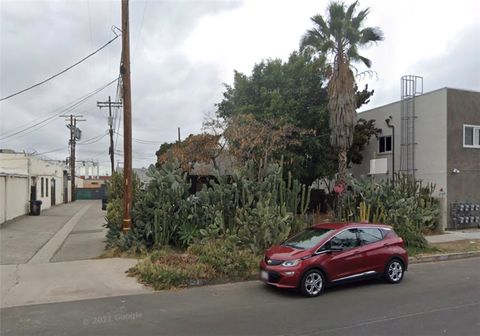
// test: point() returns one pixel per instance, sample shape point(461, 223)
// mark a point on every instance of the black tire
point(313, 283)
point(394, 271)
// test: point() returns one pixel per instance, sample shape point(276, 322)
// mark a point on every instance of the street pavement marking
point(53, 245)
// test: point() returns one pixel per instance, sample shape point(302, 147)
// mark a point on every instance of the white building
point(24, 178)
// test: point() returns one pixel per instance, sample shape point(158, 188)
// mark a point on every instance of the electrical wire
point(52, 151)
point(145, 142)
point(137, 46)
point(70, 106)
point(93, 140)
point(61, 72)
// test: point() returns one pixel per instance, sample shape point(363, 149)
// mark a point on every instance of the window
point(471, 136)
point(346, 240)
point(46, 187)
point(308, 238)
point(368, 236)
point(385, 144)
point(41, 187)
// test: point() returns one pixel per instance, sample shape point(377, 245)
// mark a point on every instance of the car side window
point(346, 240)
point(368, 236)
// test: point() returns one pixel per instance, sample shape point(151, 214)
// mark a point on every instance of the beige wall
point(13, 197)
point(430, 131)
point(430, 136)
point(19, 171)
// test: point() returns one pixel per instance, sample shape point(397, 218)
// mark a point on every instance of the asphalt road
point(440, 298)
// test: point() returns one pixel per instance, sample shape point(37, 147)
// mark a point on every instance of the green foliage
point(262, 226)
point(255, 212)
point(114, 217)
point(212, 260)
point(408, 206)
point(293, 92)
point(227, 260)
point(167, 270)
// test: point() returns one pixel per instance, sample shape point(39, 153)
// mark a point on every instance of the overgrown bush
point(227, 260)
point(210, 261)
point(257, 212)
point(408, 206)
point(114, 217)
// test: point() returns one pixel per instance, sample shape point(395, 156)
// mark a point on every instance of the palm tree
point(339, 39)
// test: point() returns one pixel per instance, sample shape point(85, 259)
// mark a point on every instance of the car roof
point(344, 225)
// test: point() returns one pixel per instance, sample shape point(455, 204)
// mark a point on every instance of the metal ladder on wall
point(411, 86)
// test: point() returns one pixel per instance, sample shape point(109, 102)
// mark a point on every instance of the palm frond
point(318, 19)
point(350, 11)
point(371, 34)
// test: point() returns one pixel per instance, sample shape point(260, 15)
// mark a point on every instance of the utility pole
point(75, 134)
point(109, 103)
point(127, 119)
point(179, 134)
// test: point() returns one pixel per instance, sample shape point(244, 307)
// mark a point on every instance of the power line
point(63, 71)
point(52, 151)
point(70, 106)
point(145, 142)
point(93, 140)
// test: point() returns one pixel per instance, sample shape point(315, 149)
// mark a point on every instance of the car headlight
point(291, 263)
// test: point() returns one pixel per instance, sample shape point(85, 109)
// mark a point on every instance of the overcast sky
point(183, 51)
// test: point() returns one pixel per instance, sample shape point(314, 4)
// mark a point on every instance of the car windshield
point(307, 239)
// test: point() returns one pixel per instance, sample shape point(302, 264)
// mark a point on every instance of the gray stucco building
point(440, 144)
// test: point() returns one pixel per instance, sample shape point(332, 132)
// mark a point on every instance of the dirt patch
point(458, 246)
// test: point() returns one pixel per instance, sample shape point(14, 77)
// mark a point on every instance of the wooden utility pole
point(111, 150)
point(74, 136)
point(127, 119)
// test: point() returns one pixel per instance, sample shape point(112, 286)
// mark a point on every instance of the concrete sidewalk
point(48, 258)
point(451, 236)
point(66, 281)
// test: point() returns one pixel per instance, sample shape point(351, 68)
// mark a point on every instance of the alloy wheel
point(313, 283)
point(395, 271)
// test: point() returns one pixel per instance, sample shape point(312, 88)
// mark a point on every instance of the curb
point(443, 257)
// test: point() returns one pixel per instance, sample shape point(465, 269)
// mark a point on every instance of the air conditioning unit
point(378, 166)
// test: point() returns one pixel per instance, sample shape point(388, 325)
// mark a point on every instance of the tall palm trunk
point(342, 106)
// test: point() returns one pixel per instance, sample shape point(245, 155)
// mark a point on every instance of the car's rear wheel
point(313, 283)
point(394, 271)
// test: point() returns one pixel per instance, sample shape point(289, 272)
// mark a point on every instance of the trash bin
point(104, 203)
point(35, 208)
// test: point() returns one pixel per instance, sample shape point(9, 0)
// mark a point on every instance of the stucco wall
point(463, 108)
point(14, 199)
point(430, 130)
point(20, 173)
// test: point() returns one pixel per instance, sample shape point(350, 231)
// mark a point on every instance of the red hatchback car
point(332, 253)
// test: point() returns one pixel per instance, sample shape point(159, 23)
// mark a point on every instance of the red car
point(332, 253)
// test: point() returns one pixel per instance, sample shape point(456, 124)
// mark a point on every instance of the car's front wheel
point(313, 283)
point(394, 271)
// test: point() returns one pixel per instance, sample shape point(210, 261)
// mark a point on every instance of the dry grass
point(458, 246)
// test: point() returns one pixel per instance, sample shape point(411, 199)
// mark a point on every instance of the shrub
point(408, 206)
point(204, 262)
point(227, 260)
point(171, 270)
point(258, 211)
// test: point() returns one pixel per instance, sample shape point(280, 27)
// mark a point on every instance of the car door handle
point(386, 244)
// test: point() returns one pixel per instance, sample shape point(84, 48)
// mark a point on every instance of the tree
point(339, 38)
point(294, 93)
point(251, 140)
point(204, 148)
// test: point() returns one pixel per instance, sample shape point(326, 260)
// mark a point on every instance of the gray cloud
point(39, 38)
point(458, 67)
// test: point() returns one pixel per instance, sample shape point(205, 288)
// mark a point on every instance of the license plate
point(264, 275)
